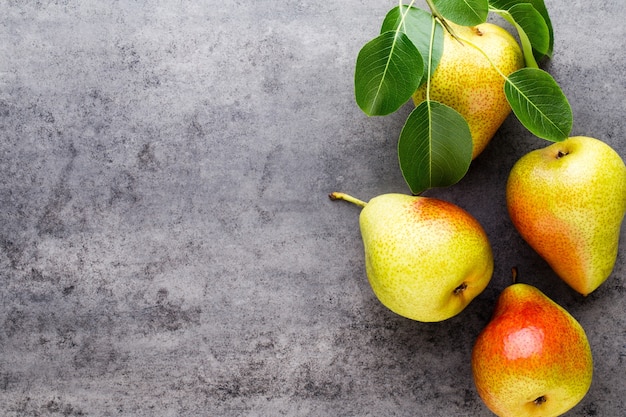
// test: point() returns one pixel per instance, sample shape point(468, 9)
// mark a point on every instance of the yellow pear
point(425, 258)
point(533, 359)
point(467, 81)
point(568, 201)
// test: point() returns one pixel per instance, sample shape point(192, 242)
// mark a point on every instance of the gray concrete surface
point(167, 247)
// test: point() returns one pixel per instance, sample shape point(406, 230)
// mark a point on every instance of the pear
point(467, 81)
point(568, 201)
point(533, 358)
point(425, 258)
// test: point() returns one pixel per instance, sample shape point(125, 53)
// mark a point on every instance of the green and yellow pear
point(533, 358)
point(425, 258)
point(568, 201)
point(467, 80)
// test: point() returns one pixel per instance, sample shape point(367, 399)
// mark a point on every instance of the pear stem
point(514, 274)
point(342, 196)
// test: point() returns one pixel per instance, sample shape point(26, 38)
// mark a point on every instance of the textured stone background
point(167, 247)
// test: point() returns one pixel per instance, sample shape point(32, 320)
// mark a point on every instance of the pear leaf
point(532, 29)
point(533, 24)
point(463, 12)
point(435, 147)
point(540, 6)
point(528, 16)
point(417, 24)
point(539, 103)
point(389, 69)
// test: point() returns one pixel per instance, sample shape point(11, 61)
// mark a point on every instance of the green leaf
point(539, 103)
point(463, 12)
point(389, 69)
point(435, 147)
point(417, 24)
point(531, 21)
point(540, 7)
point(532, 29)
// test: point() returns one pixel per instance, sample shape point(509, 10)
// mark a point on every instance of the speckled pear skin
point(533, 359)
point(568, 201)
point(426, 259)
point(467, 82)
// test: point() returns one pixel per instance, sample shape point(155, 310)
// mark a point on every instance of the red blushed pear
point(533, 358)
point(567, 201)
point(426, 259)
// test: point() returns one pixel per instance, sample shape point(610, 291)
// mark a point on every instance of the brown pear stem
point(514, 274)
point(342, 196)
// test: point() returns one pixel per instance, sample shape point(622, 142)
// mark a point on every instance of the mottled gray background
point(167, 247)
